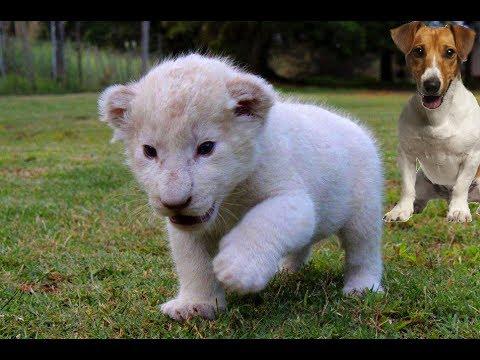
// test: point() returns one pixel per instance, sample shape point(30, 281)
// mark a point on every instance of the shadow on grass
point(287, 295)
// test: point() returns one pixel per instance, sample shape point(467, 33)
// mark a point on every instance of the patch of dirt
point(392, 182)
point(81, 117)
point(50, 285)
point(27, 288)
point(48, 288)
point(83, 158)
point(20, 135)
point(24, 173)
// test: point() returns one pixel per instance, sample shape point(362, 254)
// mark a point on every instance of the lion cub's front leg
point(249, 254)
point(200, 293)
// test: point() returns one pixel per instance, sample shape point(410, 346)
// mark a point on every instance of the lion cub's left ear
point(251, 96)
point(464, 39)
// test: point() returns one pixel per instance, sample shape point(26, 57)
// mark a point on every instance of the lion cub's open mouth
point(186, 220)
point(432, 102)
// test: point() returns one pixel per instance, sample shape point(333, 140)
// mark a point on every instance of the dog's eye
point(205, 148)
point(149, 151)
point(449, 53)
point(418, 52)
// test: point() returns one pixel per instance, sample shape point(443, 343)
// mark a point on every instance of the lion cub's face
point(190, 127)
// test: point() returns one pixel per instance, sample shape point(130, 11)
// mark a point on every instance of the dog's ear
point(403, 35)
point(251, 96)
point(113, 107)
point(464, 39)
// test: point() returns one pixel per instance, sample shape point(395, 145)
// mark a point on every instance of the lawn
point(81, 256)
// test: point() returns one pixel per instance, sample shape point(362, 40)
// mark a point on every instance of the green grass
point(75, 262)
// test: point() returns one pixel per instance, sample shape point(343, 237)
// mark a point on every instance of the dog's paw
point(242, 273)
point(399, 213)
point(360, 284)
point(459, 214)
point(181, 310)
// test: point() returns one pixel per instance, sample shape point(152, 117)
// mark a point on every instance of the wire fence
point(88, 69)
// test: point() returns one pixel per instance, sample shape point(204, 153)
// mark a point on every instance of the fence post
point(27, 51)
point(61, 51)
point(78, 40)
point(53, 39)
point(160, 45)
point(3, 65)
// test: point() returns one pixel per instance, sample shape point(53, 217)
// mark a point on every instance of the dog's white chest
point(440, 151)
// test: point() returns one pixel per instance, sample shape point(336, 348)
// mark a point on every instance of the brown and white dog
point(440, 125)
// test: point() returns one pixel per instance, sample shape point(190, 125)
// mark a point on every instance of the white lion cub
point(248, 182)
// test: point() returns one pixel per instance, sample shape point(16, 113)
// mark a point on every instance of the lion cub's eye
point(149, 151)
point(449, 53)
point(418, 52)
point(205, 148)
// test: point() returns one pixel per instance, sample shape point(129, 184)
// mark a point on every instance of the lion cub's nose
point(431, 86)
point(177, 205)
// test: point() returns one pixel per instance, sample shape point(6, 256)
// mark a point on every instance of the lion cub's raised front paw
point(242, 273)
point(399, 213)
point(459, 214)
point(181, 310)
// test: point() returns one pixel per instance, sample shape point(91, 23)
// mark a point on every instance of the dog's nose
point(177, 205)
point(431, 86)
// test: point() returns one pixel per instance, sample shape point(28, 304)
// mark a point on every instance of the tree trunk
point(3, 64)
point(78, 40)
point(53, 39)
point(145, 41)
point(27, 53)
point(260, 46)
point(160, 45)
point(60, 53)
point(386, 68)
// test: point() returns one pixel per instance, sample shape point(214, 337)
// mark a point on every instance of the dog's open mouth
point(186, 220)
point(432, 102)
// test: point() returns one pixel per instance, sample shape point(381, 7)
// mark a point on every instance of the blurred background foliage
point(72, 56)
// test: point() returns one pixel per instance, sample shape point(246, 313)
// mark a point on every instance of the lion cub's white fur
point(281, 177)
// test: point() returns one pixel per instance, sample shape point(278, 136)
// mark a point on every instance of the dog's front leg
point(458, 210)
point(250, 253)
point(404, 208)
point(200, 293)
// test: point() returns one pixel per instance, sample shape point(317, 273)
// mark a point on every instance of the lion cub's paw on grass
point(359, 285)
point(182, 310)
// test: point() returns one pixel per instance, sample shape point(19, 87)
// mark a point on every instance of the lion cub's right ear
point(113, 108)
point(404, 35)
